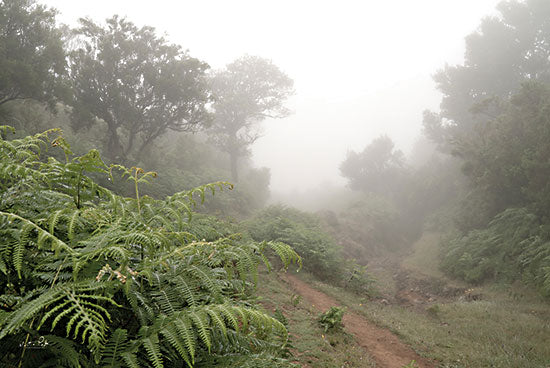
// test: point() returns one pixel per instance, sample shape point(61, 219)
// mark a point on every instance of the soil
point(383, 346)
point(419, 291)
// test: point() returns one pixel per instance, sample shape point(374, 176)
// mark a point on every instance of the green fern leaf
point(151, 345)
point(113, 349)
point(184, 328)
point(171, 334)
point(200, 321)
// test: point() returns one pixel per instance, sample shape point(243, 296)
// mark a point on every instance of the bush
point(331, 320)
point(514, 246)
point(303, 232)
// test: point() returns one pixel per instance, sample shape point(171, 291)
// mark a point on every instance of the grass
point(425, 256)
point(507, 328)
point(310, 345)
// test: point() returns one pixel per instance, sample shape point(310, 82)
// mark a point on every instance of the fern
point(64, 351)
point(513, 246)
point(121, 282)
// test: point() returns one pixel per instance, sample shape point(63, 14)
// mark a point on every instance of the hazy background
point(361, 68)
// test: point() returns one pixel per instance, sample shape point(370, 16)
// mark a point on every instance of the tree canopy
point(32, 57)
point(247, 91)
point(506, 50)
point(137, 83)
point(375, 169)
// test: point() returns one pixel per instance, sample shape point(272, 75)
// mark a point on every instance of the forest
point(137, 230)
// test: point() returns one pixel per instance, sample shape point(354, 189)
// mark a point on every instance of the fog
point(361, 68)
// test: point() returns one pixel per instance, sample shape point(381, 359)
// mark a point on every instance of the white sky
point(361, 68)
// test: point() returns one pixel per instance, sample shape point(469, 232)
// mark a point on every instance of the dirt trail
point(383, 346)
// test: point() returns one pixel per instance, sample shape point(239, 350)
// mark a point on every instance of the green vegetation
point(502, 330)
point(331, 320)
point(312, 347)
point(148, 86)
point(515, 246)
point(304, 232)
point(32, 61)
point(494, 118)
point(105, 265)
point(90, 278)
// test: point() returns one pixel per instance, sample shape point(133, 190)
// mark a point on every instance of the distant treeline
point(136, 97)
point(488, 181)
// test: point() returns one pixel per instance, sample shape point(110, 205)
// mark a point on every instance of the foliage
point(306, 233)
point(331, 320)
point(137, 83)
point(247, 91)
point(32, 58)
point(372, 224)
point(494, 117)
point(507, 162)
point(515, 245)
point(295, 299)
point(376, 169)
point(90, 278)
point(358, 280)
point(397, 196)
point(505, 51)
point(184, 161)
point(412, 364)
point(303, 232)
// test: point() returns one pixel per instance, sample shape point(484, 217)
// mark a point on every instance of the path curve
point(382, 345)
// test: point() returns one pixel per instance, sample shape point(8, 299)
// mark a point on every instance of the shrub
point(514, 246)
point(331, 320)
point(303, 232)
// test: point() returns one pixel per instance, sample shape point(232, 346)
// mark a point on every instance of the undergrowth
point(304, 232)
point(89, 278)
point(515, 246)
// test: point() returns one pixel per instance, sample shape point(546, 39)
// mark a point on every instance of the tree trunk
point(233, 157)
point(114, 146)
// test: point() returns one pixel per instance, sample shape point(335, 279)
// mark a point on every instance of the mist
point(360, 69)
point(167, 168)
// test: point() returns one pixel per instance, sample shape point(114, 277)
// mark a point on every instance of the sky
point(361, 68)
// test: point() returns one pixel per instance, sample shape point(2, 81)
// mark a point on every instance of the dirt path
point(383, 346)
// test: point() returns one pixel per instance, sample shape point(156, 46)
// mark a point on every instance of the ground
point(417, 315)
point(379, 343)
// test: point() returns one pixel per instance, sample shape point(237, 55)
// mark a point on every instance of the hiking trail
point(383, 346)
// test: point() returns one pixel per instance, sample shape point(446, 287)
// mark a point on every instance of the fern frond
point(285, 252)
point(64, 349)
point(187, 288)
point(150, 342)
point(18, 250)
point(200, 321)
point(206, 278)
point(184, 327)
point(130, 359)
point(217, 318)
point(171, 334)
point(16, 319)
point(28, 225)
point(114, 348)
point(11, 171)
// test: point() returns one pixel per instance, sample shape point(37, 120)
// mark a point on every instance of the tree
point(376, 169)
point(32, 58)
point(246, 92)
point(136, 83)
point(505, 51)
